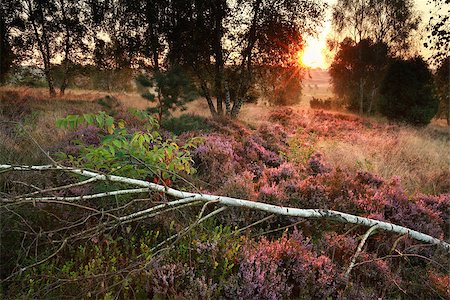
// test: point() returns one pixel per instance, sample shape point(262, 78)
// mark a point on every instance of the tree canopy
point(369, 34)
point(221, 44)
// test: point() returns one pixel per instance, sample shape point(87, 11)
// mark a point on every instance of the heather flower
point(316, 164)
point(283, 268)
point(284, 172)
point(271, 193)
point(240, 186)
point(215, 159)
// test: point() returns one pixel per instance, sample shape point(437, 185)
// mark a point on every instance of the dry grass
point(418, 156)
point(41, 94)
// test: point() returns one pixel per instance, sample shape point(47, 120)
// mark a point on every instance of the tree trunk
point(236, 107)
point(218, 34)
point(207, 95)
point(64, 84)
point(227, 100)
point(43, 45)
point(186, 197)
point(65, 79)
point(49, 77)
point(246, 62)
point(372, 98)
point(361, 97)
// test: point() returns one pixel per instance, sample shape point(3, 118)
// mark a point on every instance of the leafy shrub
point(109, 102)
point(141, 154)
point(407, 92)
point(27, 76)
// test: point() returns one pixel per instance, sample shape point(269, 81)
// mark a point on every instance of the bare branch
point(228, 201)
point(37, 263)
point(358, 250)
point(86, 197)
point(90, 180)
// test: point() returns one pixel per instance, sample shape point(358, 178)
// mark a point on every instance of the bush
point(328, 103)
point(282, 269)
point(282, 115)
point(171, 90)
point(106, 144)
point(407, 92)
point(186, 123)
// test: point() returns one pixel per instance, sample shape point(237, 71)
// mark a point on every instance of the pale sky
point(316, 53)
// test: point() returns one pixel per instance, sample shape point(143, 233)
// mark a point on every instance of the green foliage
point(281, 85)
point(215, 251)
point(186, 123)
point(173, 89)
point(301, 147)
point(356, 72)
point(407, 92)
point(138, 154)
point(105, 256)
point(100, 120)
point(144, 81)
point(438, 38)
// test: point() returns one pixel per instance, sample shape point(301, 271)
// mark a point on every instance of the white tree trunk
point(228, 201)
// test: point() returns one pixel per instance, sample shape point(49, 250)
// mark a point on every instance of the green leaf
point(89, 119)
point(117, 143)
point(100, 121)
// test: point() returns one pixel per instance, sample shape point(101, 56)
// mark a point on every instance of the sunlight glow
point(316, 54)
point(312, 56)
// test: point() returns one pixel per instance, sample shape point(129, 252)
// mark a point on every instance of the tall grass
point(419, 157)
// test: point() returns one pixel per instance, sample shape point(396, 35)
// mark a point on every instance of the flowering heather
point(216, 160)
point(271, 193)
point(255, 151)
point(249, 254)
point(284, 172)
point(282, 268)
point(240, 186)
point(88, 135)
point(413, 213)
point(283, 116)
point(316, 164)
point(273, 136)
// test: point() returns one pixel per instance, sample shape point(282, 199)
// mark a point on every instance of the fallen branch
point(358, 250)
point(79, 198)
point(228, 201)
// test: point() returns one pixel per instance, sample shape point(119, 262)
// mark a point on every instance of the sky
point(316, 54)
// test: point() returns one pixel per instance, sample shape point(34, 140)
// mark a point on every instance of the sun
point(312, 55)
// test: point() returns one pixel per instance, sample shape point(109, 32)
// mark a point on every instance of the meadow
point(287, 156)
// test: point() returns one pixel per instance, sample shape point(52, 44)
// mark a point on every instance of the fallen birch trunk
point(228, 201)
